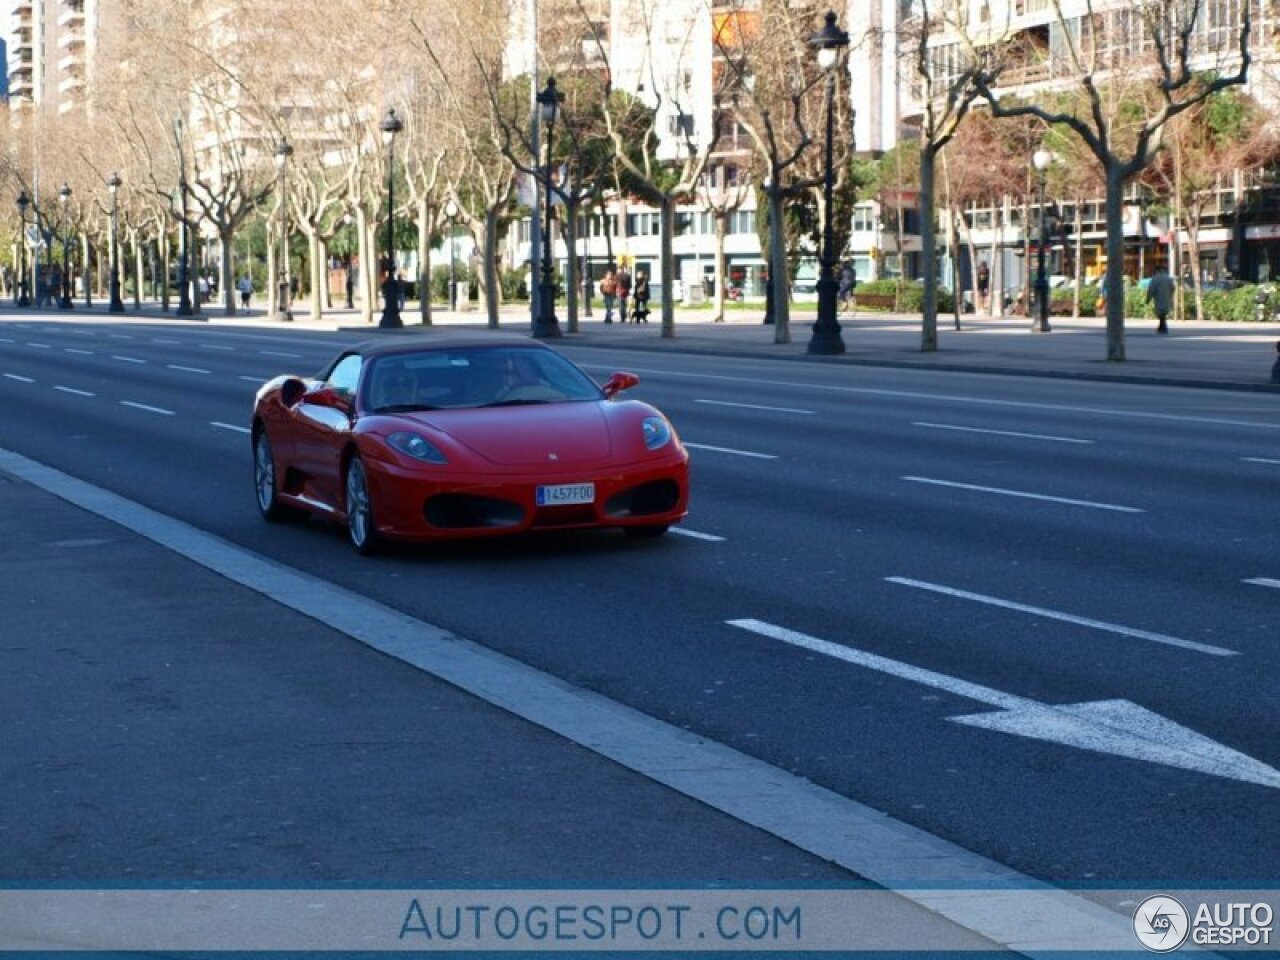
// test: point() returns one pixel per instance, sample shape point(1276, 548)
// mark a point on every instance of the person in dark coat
point(640, 297)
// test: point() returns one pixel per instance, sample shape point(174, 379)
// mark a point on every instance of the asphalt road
point(985, 545)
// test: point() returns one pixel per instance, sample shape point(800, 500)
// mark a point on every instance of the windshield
point(451, 379)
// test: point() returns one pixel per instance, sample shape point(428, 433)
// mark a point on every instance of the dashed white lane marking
point(206, 346)
point(164, 340)
point(1067, 617)
point(998, 433)
point(736, 453)
point(19, 378)
point(83, 353)
point(39, 346)
point(1264, 582)
point(695, 535)
point(148, 408)
point(78, 393)
point(178, 366)
point(119, 336)
point(277, 353)
point(7, 340)
point(755, 406)
point(1259, 460)
point(919, 866)
point(228, 426)
point(260, 380)
point(127, 359)
point(1023, 494)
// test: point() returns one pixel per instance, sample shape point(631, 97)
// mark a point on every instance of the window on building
point(681, 125)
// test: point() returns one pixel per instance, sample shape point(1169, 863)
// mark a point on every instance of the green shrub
point(910, 294)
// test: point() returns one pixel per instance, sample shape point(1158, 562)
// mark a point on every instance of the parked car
point(432, 438)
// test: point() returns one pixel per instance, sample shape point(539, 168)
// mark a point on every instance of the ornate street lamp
point(828, 43)
point(24, 294)
point(284, 302)
point(547, 326)
point(451, 212)
point(1041, 160)
point(391, 125)
point(64, 198)
point(117, 305)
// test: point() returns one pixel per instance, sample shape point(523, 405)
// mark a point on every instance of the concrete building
point(52, 46)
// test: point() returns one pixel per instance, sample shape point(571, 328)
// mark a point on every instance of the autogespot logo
point(1161, 924)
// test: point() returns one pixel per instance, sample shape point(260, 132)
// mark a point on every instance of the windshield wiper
point(404, 408)
point(517, 402)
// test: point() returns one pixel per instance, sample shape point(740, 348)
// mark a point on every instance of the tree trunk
point(424, 261)
point(164, 270)
point(488, 273)
point(778, 269)
point(929, 252)
point(139, 267)
point(1115, 266)
point(86, 258)
point(368, 267)
point(226, 271)
point(667, 226)
point(316, 265)
point(1079, 257)
point(722, 228)
point(570, 232)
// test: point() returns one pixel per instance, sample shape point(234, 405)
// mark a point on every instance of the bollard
point(1275, 370)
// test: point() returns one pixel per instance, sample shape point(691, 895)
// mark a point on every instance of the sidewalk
point(1221, 355)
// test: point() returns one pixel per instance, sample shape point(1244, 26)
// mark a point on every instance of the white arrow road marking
point(754, 406)
point(694, 534)
point(1022, 493)
point(1067, 617)
point(736, 453)
point(998, 433)
point(1264, 582)
point(1104, 726)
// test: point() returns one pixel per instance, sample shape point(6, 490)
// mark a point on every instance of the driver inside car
point(394, 387)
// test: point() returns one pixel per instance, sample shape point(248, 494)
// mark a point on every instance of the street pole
point(546, 326)
point(116, 305)
point(391, 125)
point(64, 195)
point(826, 339)
point(184, 285)
point(24, 295)
point(1041, 160)
point(284, 302)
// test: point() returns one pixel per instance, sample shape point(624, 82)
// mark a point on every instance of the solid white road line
point(694, 534)
point(755, 406)
point(917, 865)
point(150, 409)
point(736, 453)
point(1264, 582)
point(78, 393)
point(998, 433)
point(19, 378)
point(127, 359)
point(1067, 617)
point(1259, 460)
point(1023, 494)
point(229, 426)
point(176, 366)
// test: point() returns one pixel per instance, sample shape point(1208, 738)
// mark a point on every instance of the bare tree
point(1135, 67)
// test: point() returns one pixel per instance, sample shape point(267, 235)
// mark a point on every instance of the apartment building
point(52, 47)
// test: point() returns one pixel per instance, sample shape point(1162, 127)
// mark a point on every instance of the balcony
point(22, 10)
point(71, 40)
point(70, 18)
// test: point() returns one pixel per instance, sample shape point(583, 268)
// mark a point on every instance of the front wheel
point(360, 526)
point(264, 482)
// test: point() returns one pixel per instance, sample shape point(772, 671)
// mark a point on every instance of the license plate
point(566, 493)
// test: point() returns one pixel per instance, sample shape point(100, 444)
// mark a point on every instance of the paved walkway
point(1225, 355)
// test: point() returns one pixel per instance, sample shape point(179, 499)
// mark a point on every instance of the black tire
point(264, 483)
point(648, 532)
point(362, 531)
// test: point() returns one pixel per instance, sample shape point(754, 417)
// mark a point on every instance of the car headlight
point(417, 446)
point(657, 432)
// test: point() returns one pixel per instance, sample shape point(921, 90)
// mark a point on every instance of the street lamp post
point(24, 295)
point(826, 339)
point(1041, 160)
point(284, 302)
point(547, 326)
point(451, 212)
point(116, 305)
point(184, 282)
point(391, 125)
point(64, 197)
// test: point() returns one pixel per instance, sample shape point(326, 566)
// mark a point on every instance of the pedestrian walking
point(640, 297)
point(609, 290)
point(623, 281)
point(1160, 296)
point(844, 292)
point(245, 286)
point(984, 287)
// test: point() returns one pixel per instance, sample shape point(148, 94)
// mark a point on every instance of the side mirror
point(329, 397)
point(618, 382)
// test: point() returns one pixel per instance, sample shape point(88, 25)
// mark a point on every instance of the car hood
point(534, 435)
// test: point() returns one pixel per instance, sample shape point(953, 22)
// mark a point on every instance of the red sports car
point(437, 437)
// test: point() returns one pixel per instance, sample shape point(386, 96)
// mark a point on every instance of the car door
point(322, 430)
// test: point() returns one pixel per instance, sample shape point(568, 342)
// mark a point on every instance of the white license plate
point(566, 493)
